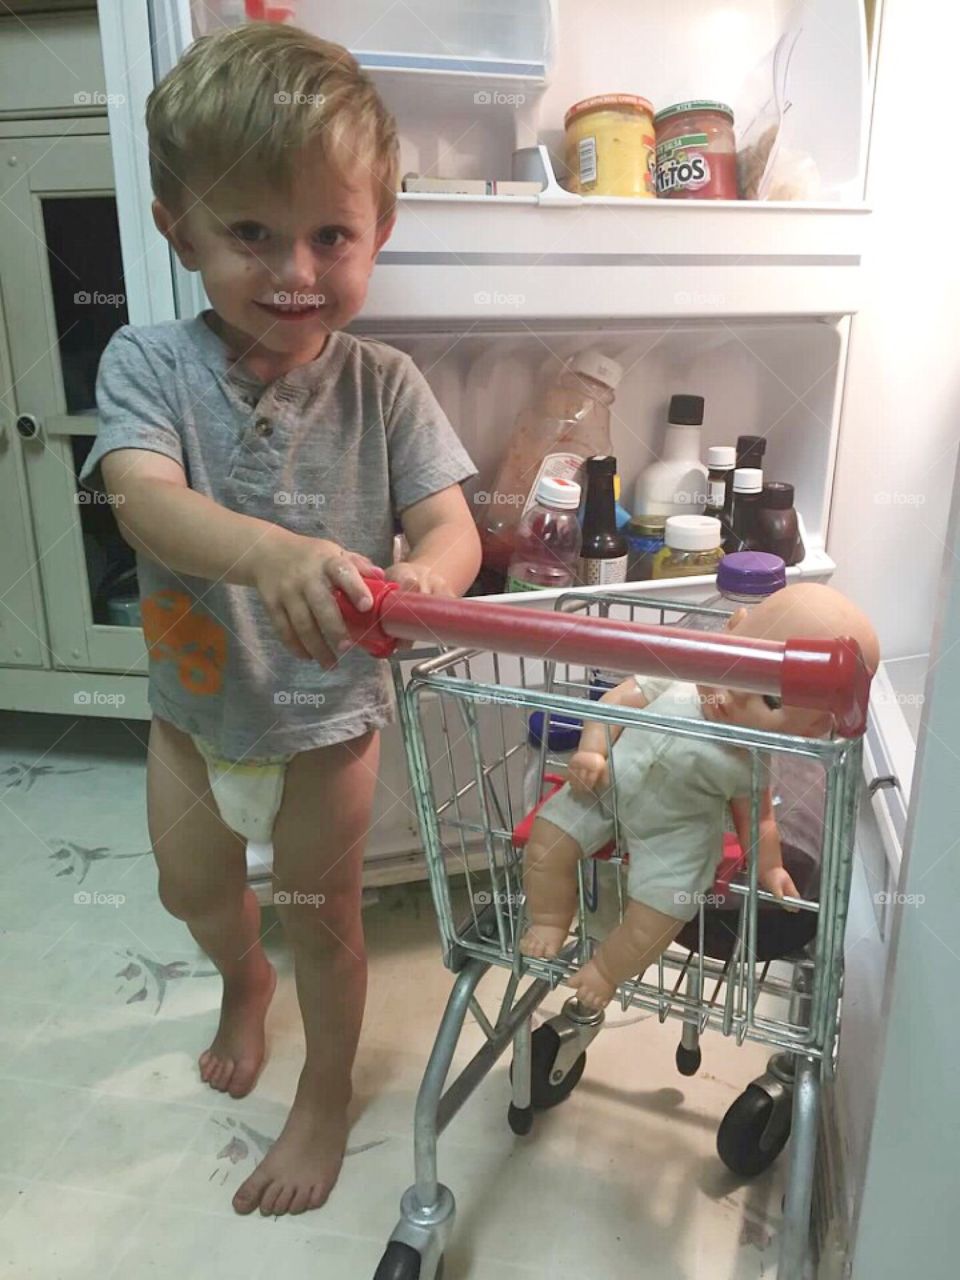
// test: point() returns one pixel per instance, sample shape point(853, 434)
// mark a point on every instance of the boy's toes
point(301, 1199)
point(223, 1075)
point(272, 1198)
point(318, 1196)
point(243, 1079)
point(250, 1194)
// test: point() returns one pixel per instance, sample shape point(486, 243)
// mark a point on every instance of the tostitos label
point(682, 164)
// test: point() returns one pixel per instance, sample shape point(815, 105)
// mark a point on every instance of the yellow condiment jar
point(610, 146)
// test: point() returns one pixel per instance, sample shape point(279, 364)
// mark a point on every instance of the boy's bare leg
point(550, 888)
point(636, 942)
point(319, 840)
point(202, 865)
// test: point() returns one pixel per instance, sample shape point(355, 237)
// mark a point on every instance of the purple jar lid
point(751, 573)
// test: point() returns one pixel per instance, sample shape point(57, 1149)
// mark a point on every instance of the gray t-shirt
point(336, 449)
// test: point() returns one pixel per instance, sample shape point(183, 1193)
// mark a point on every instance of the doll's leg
point(550, 886)
point(635, 943)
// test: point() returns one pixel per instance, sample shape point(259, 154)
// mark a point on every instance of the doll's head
point(806, 611)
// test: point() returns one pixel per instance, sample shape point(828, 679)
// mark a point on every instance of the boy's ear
point(173, 230)
point(384, 232)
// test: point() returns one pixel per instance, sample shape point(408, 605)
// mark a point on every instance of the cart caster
point(545, 1092)
point(755, 1130)
point(688, 1060)
point(520, 1120)
point(402, 1262)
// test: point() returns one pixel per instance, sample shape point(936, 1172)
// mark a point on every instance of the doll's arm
point(772, 874)
point(588, 767)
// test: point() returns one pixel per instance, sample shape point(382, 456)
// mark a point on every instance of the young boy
point(259, 456)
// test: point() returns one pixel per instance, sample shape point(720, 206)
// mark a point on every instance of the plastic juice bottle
point(553, 438)
point(547, 544)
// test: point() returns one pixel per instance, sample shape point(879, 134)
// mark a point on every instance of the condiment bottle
point(644, 540)
point(603, 555)
point(691, 547)
point(547, 545)
point(778, 529)
point(744, 579)
point(675, 484)
point(750, 451)
point(747, 488)
point(721, 461)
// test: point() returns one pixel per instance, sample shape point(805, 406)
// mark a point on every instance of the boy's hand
point(296, 577)
point(418, 577)
point(588, 772)
point(776, 880)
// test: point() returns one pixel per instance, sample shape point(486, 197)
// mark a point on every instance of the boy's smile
point(282, 269)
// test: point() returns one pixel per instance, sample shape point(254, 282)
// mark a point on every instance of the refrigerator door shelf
point(482, 258)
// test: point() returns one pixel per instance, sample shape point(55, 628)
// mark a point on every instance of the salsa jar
point(696, 152)
point(610, 146)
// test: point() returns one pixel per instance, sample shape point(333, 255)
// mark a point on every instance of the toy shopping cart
point(743, 966)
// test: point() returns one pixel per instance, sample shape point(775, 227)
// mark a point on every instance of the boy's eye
point(249, 232)
point(332, 237)
point(773, 703)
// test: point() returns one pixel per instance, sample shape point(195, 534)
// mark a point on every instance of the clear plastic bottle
point(744, 578)
point(547, 544)
point(552, 438)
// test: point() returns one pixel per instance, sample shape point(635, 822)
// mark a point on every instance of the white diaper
point(248, 793)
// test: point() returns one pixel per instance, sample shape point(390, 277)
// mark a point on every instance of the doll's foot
point(592, 988)
point(542, 941)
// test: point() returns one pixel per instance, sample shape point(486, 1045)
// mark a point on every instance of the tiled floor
point(116, 1163)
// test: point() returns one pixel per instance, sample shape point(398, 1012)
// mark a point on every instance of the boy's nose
point(299, 268)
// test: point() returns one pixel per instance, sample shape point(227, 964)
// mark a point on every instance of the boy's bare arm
point(444, 545)
point(161, 517)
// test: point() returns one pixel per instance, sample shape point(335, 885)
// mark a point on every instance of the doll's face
point(767, 713)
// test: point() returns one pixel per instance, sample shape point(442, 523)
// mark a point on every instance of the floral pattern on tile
point(144, 973)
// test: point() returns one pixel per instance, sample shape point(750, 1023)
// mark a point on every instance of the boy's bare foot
point(543, 941)
point(592, 988)
point(300, 1169)
point(233, 1061)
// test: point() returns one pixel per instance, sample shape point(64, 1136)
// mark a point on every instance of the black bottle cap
point(777, 495)
point(750, 451)
point(602, 466)
point(686, 411)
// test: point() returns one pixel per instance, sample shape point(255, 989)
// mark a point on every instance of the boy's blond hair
point(247, 101)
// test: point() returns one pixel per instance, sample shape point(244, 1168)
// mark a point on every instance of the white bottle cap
point(692, 533)
point(595, 364)
point(748, 480)
point(554, 491)
point(722, 455)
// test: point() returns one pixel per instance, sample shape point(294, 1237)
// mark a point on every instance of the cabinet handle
point(28, 427)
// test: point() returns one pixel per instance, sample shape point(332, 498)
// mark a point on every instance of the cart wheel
point(742, 1131)
point(544, 1092)
point(688, 1060)
point(402, 1262)
point(520, 1120)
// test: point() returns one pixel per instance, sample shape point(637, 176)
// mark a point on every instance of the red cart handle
point(825, 675)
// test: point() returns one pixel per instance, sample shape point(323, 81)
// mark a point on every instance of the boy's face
point(281, 269)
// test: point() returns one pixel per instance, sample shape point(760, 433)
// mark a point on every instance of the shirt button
point(263, 427)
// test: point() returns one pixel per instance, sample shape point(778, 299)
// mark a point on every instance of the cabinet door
point(63, 279)
point(22, 628)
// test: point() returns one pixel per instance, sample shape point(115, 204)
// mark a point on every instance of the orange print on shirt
point(196, 642)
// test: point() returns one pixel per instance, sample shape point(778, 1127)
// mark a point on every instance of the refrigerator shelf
point(481, 258)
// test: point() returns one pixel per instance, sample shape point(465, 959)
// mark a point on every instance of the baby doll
point(672, 795)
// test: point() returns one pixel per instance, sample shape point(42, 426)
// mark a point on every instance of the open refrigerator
point(776, 312)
